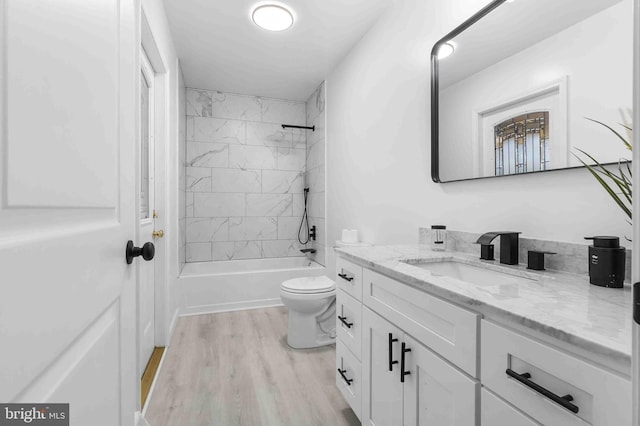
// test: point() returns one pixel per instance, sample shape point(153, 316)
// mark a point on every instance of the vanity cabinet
point(408, 384)
point(447, 349)
point(377, 318)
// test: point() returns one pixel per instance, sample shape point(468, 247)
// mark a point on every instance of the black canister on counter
point(606, 262)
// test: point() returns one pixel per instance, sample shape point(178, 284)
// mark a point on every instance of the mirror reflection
point(519, 84)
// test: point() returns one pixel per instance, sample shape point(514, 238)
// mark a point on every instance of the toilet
point(311, 302)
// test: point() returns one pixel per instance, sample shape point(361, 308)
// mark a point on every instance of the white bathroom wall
point(378, 149)
point(601, 45)
point(244, 176)
point(315, 173)
point(168, 296)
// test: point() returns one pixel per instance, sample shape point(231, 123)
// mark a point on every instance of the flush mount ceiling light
point(445, 50)
point(272, 17)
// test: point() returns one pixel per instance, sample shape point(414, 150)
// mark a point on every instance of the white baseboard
point(172, 326)
point(229, 307)
point(139, 419)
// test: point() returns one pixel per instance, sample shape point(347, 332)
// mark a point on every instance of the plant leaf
point(601, 168)
point(604, 184)
point(626, 143)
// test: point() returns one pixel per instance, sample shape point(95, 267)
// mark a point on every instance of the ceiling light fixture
point(272, 17)
point(445, 50)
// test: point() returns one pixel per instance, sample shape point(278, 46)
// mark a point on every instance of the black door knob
point(147, 251)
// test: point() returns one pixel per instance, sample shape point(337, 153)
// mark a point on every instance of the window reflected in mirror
point(522, 144)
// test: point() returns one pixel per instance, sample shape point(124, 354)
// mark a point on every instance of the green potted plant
point(616, 180)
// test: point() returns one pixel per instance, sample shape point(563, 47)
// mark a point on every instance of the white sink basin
point(472, 274)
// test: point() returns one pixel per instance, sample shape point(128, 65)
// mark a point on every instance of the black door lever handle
point(147, 251)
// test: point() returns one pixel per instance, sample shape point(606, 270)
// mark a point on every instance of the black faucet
point(508, 246)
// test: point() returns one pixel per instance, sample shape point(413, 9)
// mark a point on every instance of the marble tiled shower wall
point(244, 176)
point(316, 146)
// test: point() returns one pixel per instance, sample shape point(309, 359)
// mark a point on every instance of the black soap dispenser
point(606, 262)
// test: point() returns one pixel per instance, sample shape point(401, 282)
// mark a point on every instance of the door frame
point(161, 112)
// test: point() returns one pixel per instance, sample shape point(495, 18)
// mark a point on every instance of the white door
point(146, 183)
point(435, 392)
point(67, 132)
point(382, 389)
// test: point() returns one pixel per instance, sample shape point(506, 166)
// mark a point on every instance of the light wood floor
point(236, 368)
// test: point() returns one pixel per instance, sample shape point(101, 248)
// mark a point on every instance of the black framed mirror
point(516, 87)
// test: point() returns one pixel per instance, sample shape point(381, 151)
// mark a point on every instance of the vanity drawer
point(349, 277)
point(349, 377)
point(600, 398)
point(349, 322)
point(496, 412)
point(446, 329)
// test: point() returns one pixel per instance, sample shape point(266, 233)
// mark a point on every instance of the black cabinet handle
point(344, 321)
point(391, 361)
point(523, 378)
point(344, 376)
point(402, 372)
point(345, 277)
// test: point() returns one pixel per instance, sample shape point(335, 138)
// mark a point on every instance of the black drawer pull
point(345, 277)
point(523, 378)
point(344, 321)
point(391, 361)
point(344, 376)
point(402, 372)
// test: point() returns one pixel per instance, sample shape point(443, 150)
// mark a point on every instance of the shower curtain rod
point(312, 128)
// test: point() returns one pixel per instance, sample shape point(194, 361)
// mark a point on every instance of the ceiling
point(220, 48)
point(510, 28)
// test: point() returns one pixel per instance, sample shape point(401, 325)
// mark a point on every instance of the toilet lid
point(309, 285)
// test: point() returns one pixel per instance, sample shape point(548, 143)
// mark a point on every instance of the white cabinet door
point(435, 392)
point(67, 147)
point(349, 322)
point(349, 377)
point(382, 389)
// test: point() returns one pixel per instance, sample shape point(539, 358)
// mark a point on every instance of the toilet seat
point(309, 285)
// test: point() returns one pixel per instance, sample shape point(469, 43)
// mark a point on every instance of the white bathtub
point(230, 285)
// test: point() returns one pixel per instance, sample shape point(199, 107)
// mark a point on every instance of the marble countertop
point(562, 306)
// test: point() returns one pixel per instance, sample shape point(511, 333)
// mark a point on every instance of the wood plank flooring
point(235, 368)
point(150, 372)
